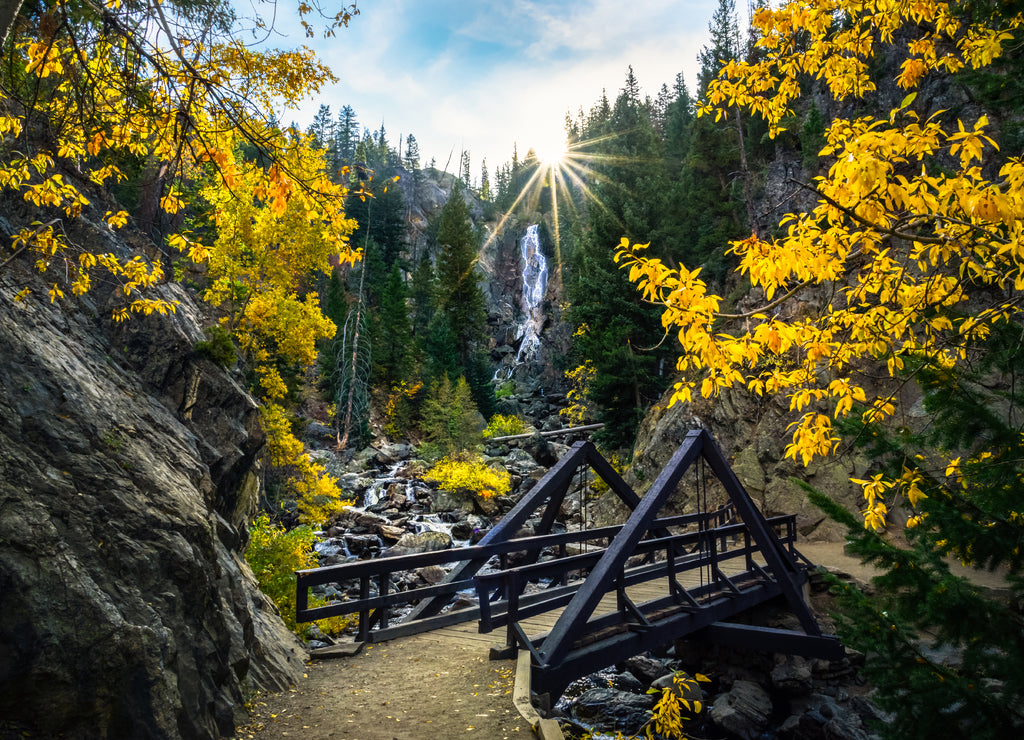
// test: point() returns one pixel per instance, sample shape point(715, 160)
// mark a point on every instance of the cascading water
point(535, 284)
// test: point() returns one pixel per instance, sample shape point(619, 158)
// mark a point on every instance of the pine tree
point(485, 181)
point(450, 419)
point(615, 332)
point(346, 137)
point(725, 42)
point(467, 177)
point(459, 301)
point(392, 355)
point(422, 290)
point(322, 128)
point(963, 481)
point(412, 154)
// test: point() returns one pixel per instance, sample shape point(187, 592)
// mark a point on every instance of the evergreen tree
point(485, 181)
point(412, 154)
point(322, 128)
point(450, 420)
point(467, 177)
point(725, 42)
point(679, 115)
point(963, 479)
point(346, 138)
point(392, 354)
point(421, 294)
point(458, 299)
point(458, 292)
point(381, 218)
point(615, 331)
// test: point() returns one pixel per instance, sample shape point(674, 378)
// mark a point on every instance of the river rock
point(413, 542)
point(464, 529)
point(744, 710)
point(444, 500)
point(390, 454)
point(820, 717)
point(432, 574)
point(792, 675)
point(542, 451)
point(520, 462)
point(612, 710)
point(367, 521)
point(363, 546)
point(391, 532)
point(646, 669)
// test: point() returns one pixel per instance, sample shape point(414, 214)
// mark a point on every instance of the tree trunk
point(747, 198)
point(8, 12)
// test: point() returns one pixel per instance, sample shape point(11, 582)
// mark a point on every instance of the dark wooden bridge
point(580, 601)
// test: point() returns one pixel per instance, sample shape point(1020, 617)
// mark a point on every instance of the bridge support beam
point(752, 637)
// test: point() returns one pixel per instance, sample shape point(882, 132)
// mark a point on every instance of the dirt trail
point(416, 688)
point(832, 555)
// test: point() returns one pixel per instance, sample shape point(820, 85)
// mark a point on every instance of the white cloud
point(412, 65)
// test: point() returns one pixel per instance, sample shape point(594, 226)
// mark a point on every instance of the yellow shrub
point(470, 473)
point(398, 409)
point(504, 426)
point(578, 411)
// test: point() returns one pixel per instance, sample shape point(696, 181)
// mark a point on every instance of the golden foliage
point(577, 412)
point(398, 408)
point(316, 493)
point(904, 244)
point(501, 425)
point(469, 473)
point(108, 93)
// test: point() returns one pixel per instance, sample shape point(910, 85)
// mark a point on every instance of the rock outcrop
point(128, 472)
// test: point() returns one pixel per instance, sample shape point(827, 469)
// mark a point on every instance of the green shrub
point(508, 388)
point(274, 555)
point(450, 418)
point(219, 347)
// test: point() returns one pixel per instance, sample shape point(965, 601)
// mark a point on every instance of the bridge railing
point(499, 593)
point(374, 609)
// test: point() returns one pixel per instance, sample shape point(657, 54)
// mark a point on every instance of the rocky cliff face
point(127, 475)
point(753, 438)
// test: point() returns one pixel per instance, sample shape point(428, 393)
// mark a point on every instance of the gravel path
point(416, 688)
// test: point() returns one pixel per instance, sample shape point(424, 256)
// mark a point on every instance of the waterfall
point(535, 284)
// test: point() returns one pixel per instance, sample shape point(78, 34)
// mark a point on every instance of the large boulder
point(743, 711)
point(415, 542)
point(128, 475)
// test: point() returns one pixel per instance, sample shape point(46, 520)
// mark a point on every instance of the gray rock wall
point(127, 476)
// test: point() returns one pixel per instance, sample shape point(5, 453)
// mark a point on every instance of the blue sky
point(484, 75)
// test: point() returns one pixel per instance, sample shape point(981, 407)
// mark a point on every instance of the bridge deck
point(467, 632)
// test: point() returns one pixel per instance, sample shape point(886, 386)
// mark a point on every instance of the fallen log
point(550, 433)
